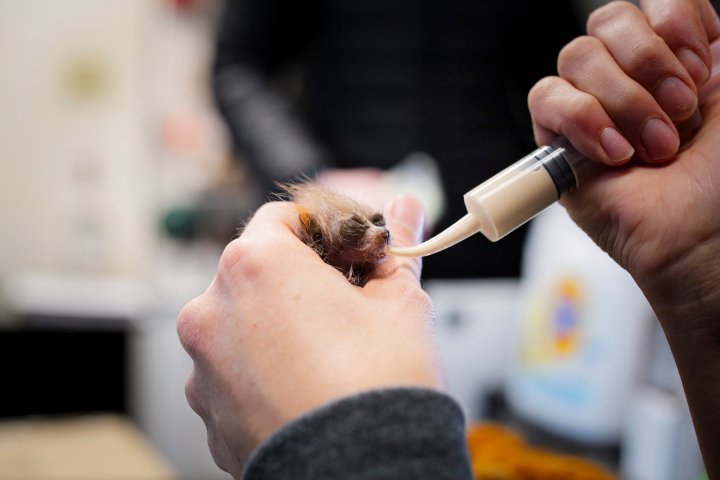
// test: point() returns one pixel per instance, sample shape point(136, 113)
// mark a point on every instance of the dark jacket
point(394, 434)
point(357, 83)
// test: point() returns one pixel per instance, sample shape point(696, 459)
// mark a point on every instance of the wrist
point(684, 294)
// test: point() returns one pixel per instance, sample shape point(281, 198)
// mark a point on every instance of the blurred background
point(137, 136)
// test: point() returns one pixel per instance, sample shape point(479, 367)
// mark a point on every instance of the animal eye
point(378, 220)
point(352, 231)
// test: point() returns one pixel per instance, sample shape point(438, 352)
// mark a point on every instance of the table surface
point(92, 447)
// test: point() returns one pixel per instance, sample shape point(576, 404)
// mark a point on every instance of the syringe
point(513, 197)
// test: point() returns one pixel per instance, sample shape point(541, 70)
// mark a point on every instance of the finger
point(268, 242)
point(589, 67)
point(273, 216)
point(712, 86)
point(559, 108)
point(405, 219)
point(687, 27)
point(645, 57)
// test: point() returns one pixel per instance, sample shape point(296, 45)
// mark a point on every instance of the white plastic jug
point(582, 335)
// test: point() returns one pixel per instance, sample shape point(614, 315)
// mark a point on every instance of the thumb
point(405, 219)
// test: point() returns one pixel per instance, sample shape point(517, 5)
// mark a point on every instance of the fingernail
point(659, 139)
point(616, 147)
point(694, 65)
point(676, 98)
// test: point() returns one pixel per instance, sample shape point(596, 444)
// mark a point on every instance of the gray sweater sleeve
point(404, 433)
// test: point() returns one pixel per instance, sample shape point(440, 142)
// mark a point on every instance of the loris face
point(364, 237)
point(346, 234)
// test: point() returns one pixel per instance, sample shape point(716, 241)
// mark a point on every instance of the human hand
point(619, 89)
point(279, 332)
point(617, 92)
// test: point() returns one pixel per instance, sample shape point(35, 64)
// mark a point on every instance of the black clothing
point(394, 434)
point(383, 79)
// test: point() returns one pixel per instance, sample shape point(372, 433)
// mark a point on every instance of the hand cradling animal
point(345, 233)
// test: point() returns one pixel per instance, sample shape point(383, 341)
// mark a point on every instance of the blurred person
point(299, 374)
point(348, 90)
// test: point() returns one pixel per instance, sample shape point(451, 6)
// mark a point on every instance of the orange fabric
point(498, 453)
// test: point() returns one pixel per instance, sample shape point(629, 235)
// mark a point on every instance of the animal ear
point(311, 224)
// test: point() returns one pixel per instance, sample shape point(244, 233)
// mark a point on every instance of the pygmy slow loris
point(345, 233)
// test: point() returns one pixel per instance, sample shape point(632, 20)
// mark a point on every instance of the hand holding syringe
point(513, 197)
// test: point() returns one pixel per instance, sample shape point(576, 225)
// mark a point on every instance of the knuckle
point(576, 54)
point(627, 94)
point(580, 114)
point(668, 21)
point(191, 394)
point(608, 13)
point(648, 56)
point(252, 262)
point(250, 253)
point(541, 90)
point(581, 106)
point(232, 255)
point(190, 327)
point(242, 259)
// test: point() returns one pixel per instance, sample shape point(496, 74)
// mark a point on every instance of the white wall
point(75, 182)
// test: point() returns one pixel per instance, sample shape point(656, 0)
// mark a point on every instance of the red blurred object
point(184, 4)
point(182, 134)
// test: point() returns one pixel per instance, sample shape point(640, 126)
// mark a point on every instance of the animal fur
point(345, 233)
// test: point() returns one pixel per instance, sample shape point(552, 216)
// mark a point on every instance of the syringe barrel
point(568, 167)
point(521, 191)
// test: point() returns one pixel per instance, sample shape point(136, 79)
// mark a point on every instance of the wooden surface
point(98, 447)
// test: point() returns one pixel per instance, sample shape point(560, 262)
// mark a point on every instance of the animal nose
point(385, 235)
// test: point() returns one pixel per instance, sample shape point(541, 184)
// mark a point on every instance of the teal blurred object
point(217, 215)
